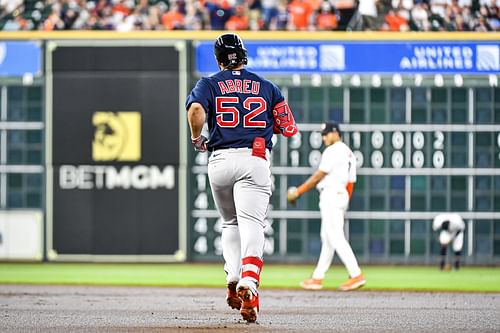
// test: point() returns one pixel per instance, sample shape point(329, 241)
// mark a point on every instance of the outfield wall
point(95, 136)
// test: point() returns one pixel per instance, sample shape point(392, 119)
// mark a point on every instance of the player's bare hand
point(200, 144)
point(292, 195)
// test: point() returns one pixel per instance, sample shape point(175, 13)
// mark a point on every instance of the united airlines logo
point(488, 58)
point(332, 57)
point(117, 136)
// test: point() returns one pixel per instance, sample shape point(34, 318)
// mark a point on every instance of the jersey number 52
point(228, 114)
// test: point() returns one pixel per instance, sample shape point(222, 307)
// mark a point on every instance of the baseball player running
point(335, 180)
point(243, 111)
point(452, 228)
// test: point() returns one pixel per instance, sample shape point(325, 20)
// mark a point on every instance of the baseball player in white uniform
point(335, 180)
point(451, 226)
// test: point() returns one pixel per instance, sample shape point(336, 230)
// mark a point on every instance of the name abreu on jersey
point(239, 86)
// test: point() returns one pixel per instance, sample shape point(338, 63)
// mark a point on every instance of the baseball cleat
point(353, 283)
point(446, 268)
point(312, 284)
point(249, 304)
point(232, 298)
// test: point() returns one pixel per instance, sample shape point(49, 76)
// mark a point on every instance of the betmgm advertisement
point(114, 156)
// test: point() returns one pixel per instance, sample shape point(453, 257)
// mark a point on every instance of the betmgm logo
point(117, 136)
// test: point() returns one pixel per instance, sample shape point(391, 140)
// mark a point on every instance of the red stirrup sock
point(251, 268)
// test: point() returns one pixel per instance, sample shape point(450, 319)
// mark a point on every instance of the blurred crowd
point(291, 15)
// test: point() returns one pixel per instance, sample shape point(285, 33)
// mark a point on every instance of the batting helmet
point(230, 51)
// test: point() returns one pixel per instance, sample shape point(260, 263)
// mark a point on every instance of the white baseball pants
point(333, 205)
point(241, 187)
point(456, 239)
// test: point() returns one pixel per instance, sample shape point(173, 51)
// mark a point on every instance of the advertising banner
point(363, 57)
point(20, 58)
point(115, 150)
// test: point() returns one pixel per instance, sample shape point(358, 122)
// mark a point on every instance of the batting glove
point(292, 195)
point(200, 144)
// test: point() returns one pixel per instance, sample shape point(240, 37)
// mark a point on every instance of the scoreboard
point(425, 130)
point(420, 151)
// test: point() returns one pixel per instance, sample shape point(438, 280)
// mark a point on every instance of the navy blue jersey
point(239, 106)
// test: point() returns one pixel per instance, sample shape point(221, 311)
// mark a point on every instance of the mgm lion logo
point(117, 136)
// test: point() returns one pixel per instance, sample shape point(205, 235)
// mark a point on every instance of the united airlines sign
point(20, 58)
point(364, 57)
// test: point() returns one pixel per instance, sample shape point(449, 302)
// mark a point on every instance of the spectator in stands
point(280, 22)
point(8, 6)
point(368, 11)
point(269, 12)
point(482, 25)
point(254, 14)
point(121, 7)
point(239, 19)
point(153, 18)
point(420, 17)
point(173, 19)
point(436, 21)
point(300, 12)
point(486, 12)
point(143, 7)
point(495, 19)
point(82, 8)
point(396, 22)
point(468, 17)
point(126, 15)
point(219, 11)
point(18, 23)
point(438, 7)
point(69, 16)
point(54, 21)
point(326, 18)
point(194, 17)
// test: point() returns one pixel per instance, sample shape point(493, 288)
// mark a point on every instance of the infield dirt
point(28, 308)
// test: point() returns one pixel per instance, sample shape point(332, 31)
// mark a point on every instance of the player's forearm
point(294, 193)
point(196, 119)
point(311, 182)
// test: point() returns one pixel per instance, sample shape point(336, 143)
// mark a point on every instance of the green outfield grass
point(413, 278)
